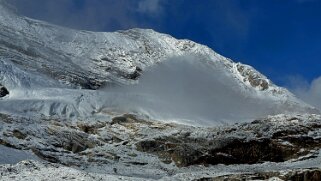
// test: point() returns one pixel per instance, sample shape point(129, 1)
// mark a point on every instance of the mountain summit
point(38, 59)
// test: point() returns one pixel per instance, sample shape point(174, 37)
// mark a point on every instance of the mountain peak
point(36, 55)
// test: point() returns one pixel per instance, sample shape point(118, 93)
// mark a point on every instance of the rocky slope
point(130, 146)
point(69, 104)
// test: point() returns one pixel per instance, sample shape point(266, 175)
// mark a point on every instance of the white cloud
point(310, 93)
point(187, 89)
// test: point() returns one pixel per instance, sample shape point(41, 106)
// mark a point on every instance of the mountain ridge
point(36, 54)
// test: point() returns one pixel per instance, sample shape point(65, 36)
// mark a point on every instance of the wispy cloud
point(96, 15)
point(152, 7)
point(308, 92)
point(225, 18)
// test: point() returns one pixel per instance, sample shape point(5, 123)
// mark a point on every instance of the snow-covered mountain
point(51, 70)
point(92, 105)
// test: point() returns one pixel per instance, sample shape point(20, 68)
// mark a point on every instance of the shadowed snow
point(13, 156)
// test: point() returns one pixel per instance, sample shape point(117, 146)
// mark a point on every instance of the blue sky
point(280, 38)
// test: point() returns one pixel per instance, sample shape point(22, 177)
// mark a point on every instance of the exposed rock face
point(297, 175)
point(254, 78)
point(132, 145)
point(3, 91)
point(18, 134)
point(226, 147)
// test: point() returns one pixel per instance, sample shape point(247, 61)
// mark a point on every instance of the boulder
point(3, 91)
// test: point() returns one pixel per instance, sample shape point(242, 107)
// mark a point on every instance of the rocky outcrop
point(227, 147)
point(254, 78)
point(3, 91)
point(185, 152)
point(70, 140)
point(297, 175)
point(129, 144)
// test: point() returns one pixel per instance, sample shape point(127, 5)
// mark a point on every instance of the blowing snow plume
point(191, 90)
point(309, 92)
point(186, 89)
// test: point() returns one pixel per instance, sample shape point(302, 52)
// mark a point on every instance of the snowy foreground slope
point(141, 105)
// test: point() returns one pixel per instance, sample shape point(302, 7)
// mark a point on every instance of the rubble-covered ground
point(130, 147)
